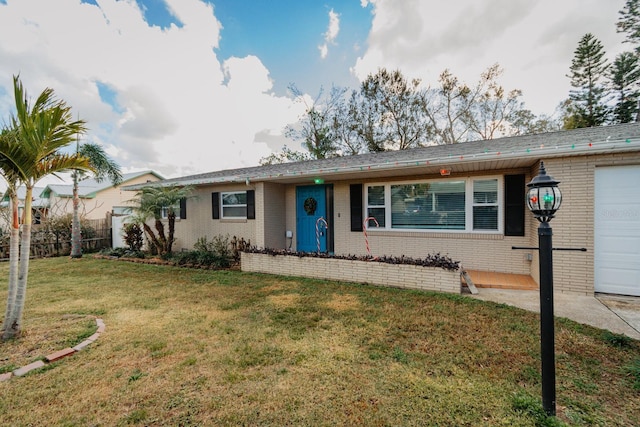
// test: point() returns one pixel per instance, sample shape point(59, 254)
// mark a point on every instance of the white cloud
point(331, 34)
point(182, 110)
point(533, 41)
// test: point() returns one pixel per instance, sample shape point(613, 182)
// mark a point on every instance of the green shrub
point(216, 253)
point(133, 236)
point(617, 340)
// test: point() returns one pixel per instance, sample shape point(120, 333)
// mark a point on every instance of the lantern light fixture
point(544, 196)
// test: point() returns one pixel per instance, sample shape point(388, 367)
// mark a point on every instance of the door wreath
point(310, 205)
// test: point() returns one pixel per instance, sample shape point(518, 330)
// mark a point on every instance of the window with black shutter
point(514, 204)
point(355, 196)
point(215, 205)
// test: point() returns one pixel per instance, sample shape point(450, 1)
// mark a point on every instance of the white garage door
point(617, 230)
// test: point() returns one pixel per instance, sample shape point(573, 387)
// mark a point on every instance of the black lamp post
point(543, 199)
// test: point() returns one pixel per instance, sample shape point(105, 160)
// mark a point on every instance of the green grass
point(193, 347)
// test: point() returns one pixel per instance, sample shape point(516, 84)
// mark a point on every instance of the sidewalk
point(617, 314)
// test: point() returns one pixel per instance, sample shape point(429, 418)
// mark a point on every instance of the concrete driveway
point(618, 314)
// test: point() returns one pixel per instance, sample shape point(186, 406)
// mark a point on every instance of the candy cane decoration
point(364, 230)
point(326, 226)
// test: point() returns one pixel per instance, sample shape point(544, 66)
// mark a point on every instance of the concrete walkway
point(617, 314)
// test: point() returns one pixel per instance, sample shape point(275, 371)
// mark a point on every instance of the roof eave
point(533, 153)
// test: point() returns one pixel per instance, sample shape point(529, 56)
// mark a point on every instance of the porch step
point(490, 279)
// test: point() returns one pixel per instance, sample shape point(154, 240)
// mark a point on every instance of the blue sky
point(285, 36)
point(190, 86)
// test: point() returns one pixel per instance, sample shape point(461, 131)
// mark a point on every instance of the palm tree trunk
point(14, 252)
point(161, 237)
point(76, 231)
point(14, 327)
point(172, 226)
point(152, 236)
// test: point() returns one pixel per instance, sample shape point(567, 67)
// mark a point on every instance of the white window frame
point(469, 204)
point(222, 205)
point(486, 204)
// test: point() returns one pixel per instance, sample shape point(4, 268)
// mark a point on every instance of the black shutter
point(251, 204)
point(514, 204)
point(183, 208)
point(215, 205)
point(355, 195)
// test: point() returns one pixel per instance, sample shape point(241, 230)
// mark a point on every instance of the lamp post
point(543, 199)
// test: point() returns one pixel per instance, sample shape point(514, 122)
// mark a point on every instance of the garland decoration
point(310, 206)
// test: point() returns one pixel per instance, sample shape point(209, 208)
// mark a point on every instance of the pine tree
point(624, 76)
point(629, 23)
point(588, 68)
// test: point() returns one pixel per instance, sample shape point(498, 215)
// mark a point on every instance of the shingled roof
point(509, 152)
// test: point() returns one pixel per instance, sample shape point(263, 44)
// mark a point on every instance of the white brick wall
point(394, 275)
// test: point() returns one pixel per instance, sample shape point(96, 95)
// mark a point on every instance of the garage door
point(617, 230)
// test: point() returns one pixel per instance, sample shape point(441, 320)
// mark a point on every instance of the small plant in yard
point(617, 340)
point(633, 371)
point(135, 375)
point(122, 253)
point(216, 253)
point(532, 407)
point(133, 236)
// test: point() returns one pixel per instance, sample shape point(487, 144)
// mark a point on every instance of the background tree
point(494, 111)
point(365, 118)
point(588, 98)
point(446, 108)
point(457, 112)
point(524, 122)
point(344, 127)
point(104, 167)
point(42, 131)
point(286, 155)
point(391, 112)
point(400, 120)
point(624, 76)
point(314, 127)
point(629, 23)
point(150, 203)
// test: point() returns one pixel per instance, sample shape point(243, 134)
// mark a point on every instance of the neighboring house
point(464, 200)
point(38, 207)
point(97, 199)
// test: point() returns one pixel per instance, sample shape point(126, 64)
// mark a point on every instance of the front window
point(464, 205)
point(437, 205)
point(485, 204)
point(234, 205)
point(376, 206)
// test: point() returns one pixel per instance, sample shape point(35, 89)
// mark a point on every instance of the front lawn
point(195, 347)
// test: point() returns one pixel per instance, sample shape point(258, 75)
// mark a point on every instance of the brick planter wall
point(377, 273)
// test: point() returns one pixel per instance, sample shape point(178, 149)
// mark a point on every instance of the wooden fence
point(49, 243)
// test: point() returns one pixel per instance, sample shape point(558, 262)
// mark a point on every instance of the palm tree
point(151, 202)
point(42, 130)
point(104, 167)
point(12, 176)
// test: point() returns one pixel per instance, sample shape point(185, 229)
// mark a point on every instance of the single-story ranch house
point(465, 200)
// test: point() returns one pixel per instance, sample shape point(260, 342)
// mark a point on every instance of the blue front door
point(311, 205)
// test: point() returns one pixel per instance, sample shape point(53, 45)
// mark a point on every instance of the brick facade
point(376, 273)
